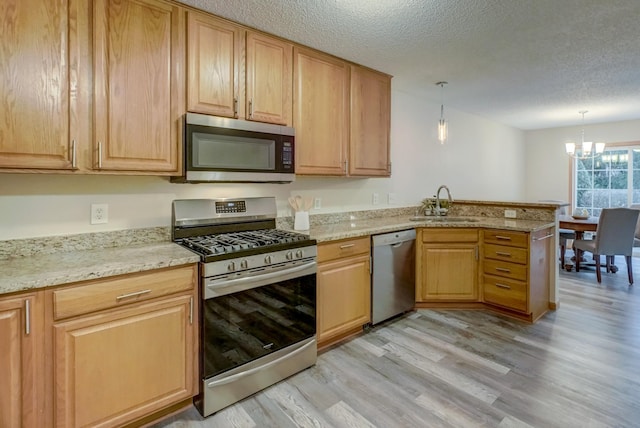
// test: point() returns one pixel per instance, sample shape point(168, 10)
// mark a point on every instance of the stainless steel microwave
point(218, 149)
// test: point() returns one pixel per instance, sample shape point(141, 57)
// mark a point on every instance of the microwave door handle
point(249, 282)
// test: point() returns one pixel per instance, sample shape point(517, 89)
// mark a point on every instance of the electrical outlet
point(375, 198)
point(99, 213)
point(510, 213)
point(317, 203)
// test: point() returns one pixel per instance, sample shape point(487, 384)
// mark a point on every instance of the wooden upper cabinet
point(269, 79)
point(214, 49)
point(37, 85)
point(320, 112)
point(139, 85)
point(370, 123)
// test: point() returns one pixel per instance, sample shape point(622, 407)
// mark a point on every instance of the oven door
point(249, 315)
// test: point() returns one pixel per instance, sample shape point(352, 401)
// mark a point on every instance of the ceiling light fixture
point(443, 130)
point(584, 151)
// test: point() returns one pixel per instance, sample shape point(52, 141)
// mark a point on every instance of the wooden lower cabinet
point(344, 289)
point(447, 265)
point(21, 360)
point(135, 355)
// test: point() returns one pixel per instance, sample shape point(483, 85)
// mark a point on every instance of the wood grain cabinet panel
point(370, 123)
point(320, 112)
point(344, 289)
point(447, 268)
point(139, 85)
point(38, 84)
point(21, 362)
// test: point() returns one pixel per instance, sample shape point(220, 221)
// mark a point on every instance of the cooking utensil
point(293, 203)
point(299, 202)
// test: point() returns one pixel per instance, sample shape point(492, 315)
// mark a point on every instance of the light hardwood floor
point(576, 367)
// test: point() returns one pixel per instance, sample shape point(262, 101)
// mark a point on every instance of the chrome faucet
point(439, 210)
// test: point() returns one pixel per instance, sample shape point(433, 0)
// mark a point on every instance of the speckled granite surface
point(44, 270)
point(28, 264)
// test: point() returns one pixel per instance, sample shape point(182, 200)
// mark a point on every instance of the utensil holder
point(301, 221)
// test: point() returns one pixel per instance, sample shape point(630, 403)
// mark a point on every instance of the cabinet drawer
point(108, 293)
point(505, 253)
point(507, 270)
point(344, 248)
point(504, 237)
point(449, 235)
point(505, 292)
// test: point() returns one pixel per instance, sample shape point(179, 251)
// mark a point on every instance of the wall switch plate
point(375, 199)
point(317, 203)
point(99, 213)
point(510, 213)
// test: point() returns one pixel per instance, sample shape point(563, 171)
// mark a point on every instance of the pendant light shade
point(584, 150)
point(443, 126)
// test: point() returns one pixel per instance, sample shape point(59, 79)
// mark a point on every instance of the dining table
point(579, 225)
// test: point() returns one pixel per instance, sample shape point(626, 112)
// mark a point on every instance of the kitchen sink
point(444, 219)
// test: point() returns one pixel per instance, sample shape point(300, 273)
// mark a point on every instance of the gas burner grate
point(231, 242)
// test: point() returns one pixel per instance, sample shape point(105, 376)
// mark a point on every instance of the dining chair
point(614, 236)
point(636, 240)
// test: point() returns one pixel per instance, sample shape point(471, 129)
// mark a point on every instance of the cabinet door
point(269, 79)
point(320, 112)
point(213, 60)
point(19, 359)
point(139, 85)
point(117, 366)
point(344, 296)
point(370, 123)
point(449, 272)
point(37, 55)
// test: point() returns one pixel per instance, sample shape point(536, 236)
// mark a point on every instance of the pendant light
point(443, 126)
point(584, 151)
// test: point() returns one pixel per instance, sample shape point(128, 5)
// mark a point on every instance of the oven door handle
point(249, 372)
point(249, 282)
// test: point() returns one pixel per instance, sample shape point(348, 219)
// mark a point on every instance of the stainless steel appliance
point(229, 150)
point(258, 305)
point(393, 277)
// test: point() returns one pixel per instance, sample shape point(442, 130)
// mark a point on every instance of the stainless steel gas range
point(258, 296)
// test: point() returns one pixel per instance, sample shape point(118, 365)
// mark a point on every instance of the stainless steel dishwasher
point(393, 274)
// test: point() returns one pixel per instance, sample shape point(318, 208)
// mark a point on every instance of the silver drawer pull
point(499, 253)
point(503, 270)
point(504, 238)
point(503, 286)
point(342, 247)
point(137, 293)
point(543, 237)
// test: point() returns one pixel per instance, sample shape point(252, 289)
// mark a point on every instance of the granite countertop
point(45, 270)
point(34, 271)
point(364, 227)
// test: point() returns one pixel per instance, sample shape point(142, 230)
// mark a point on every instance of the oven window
point(240, 327)
point(229, 152)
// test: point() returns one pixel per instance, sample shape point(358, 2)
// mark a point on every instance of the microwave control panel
point(287, 155)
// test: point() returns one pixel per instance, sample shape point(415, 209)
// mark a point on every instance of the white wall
point(482, 161)
point(548, 166)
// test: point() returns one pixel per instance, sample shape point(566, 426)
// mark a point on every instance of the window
point(609, 180)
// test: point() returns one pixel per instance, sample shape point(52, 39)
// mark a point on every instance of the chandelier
point(442, 124)
point(585, 149)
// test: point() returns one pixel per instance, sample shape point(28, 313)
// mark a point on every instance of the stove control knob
point(244, 264)
point(267, 260)
point(299, 254)
point(289, 255)
point(231, 267)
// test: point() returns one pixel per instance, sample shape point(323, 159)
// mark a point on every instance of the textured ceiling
point(530, 64)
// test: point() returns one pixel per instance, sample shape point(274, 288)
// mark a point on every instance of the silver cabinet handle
point(504, 238)
point(503, 270)
point(543, 237)
point(135, 294)
point(235, 107)
point(191, 310)
point(27, 316)
point(74, 163)
point(342, 247)
point(503, 286)
point(500, 253)
point(389, 167)
point(251, 109)
point(99, 155)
